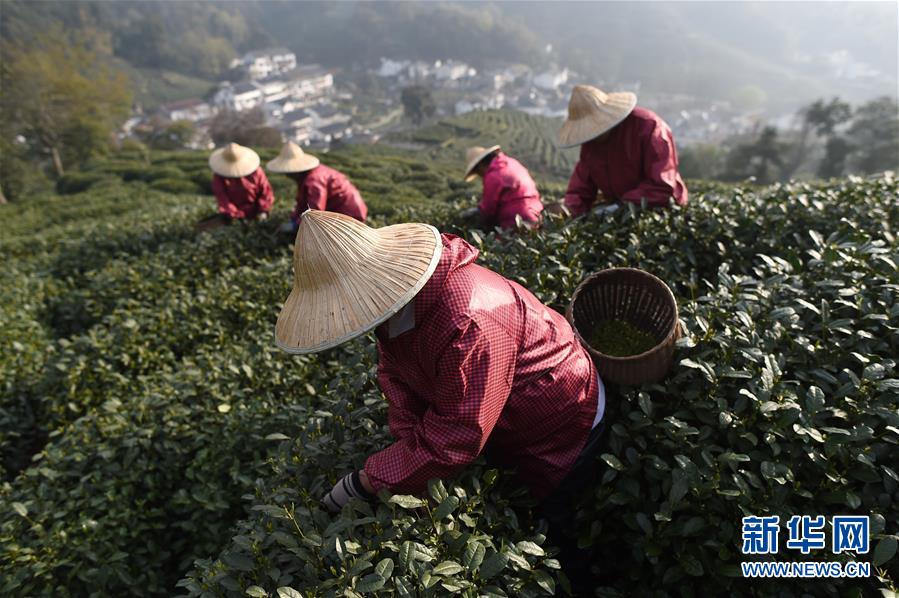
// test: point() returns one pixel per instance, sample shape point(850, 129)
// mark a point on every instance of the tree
point(874, 132)
point(166, 135)
point(142, 42)
point(821, 118)
point(246, 128)
point(756, 158)
point(701, 160)
point(824, 118)
point(64, 101)
point(835, 153)
point(418, 103)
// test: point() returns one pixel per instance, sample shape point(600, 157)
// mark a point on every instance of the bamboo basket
point(638, 298)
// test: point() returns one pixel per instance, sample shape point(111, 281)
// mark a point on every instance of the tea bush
point(77, 182)
point(528, 138)
point(150, 432)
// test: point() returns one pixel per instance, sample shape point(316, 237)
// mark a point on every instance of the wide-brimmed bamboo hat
point(234, 161)
point(473, 156)
point(292, 159)
point(592, 112)
point(349, 277)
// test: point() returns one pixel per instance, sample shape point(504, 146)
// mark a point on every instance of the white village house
point(552, 79)
point(192, 109)
point(482, 102)
point(296, 126)
point(393, 68)
point(310, 81)
point(327, 115)
point(453, 71)
point(259, 64)
point(238, 97)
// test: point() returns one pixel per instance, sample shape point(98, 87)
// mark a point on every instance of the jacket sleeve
point(264, 194)
point(316, 194)
point(660, 176)
point(581, 191)
point(489, 204)
point(302, 203)
point(221, 197)
point(406, 410)
point(471, 388)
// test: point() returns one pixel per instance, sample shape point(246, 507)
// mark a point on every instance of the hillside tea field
point(154, 441)
point(531, 139)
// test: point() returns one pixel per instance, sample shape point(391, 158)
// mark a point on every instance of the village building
point(551, 80)
point(193, 110)
point(309, 82)
point(333, 133)
point(453, 71)
point(326, 115)
point(238, 97)
point(483, 102)
point(393, 68)
point(296, 126)
point(260, 64)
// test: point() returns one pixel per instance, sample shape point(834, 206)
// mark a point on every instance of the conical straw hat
point(234, 161)
point(473, 156)
point(348, 278)
point(292, 159)
point(592, 112)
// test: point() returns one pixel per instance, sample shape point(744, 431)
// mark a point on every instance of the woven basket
point(638, 298)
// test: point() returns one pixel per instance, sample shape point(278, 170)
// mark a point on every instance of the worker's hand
point(348, 487)
point(555, 208)
point(601, 199)
point(262, 216)
point(606, 208)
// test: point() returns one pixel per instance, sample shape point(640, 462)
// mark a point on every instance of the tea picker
point(509, 190)
point(319, 187)
point(627, 152)
point(240, 187)
point(471, 363)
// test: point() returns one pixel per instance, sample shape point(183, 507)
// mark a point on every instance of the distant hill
point(794, 52)
point(528, 138)
point(787, 54)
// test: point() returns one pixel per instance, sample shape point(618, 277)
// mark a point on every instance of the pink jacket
point(243, 197)
point(327, 189)
point(636, 160)
point(486, 368)
point(509, 191)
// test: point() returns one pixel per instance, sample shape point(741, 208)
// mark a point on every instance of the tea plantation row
point(528, 138)
point(151, 432)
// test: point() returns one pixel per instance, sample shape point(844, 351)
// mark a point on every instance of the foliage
point(874, 131)
point(78, 182)
point(418, 103)
point(530, 139)
point(18, 177)
point(757, 159)
point(194, 38)
point(141, 396)
point(165, 135)
point(60, 98)
point(246, 128)
point(466, 538)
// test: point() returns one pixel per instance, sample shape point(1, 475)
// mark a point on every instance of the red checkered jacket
point(486, 368)
point(325, 188)
point(509, 191)
point(636, 160)
point(243, 197)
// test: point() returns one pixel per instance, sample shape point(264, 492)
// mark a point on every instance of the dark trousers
point(559, 510)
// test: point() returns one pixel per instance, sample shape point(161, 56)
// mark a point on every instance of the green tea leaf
point(447, 568)
point(885, 550)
